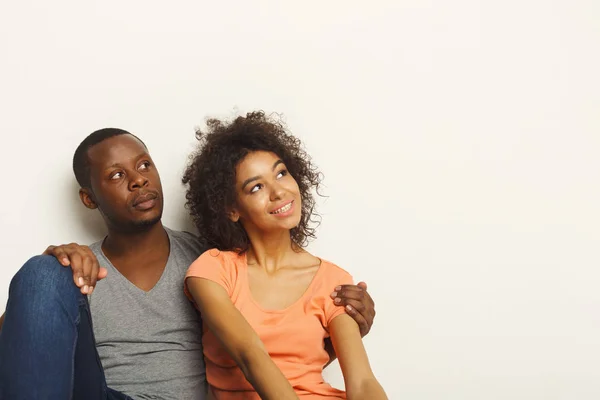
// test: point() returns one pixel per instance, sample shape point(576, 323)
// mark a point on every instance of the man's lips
point(143, 198)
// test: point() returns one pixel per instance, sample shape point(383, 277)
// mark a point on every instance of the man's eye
point(145, 165)
point(116, 175)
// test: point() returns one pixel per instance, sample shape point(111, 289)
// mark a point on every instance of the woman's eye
point(116, 175)
point(255, 188)
point(282, 173)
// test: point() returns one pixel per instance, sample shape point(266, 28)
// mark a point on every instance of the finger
point(363, 325)
point(356, 293)
point(77, 267)
point(357, 305)
point(48, 251)
point(95, 268)
point(362, 285)
point(353, 292)
point(102, 273)
point(361, 315)
point(86, 273)
point(349, 293)
point(363, 306)
point(350, 287)
point(60, 254)
point(345, 288)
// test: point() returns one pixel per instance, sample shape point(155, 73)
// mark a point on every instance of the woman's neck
point(271, 251)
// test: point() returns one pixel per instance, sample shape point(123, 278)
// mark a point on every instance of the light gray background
point(459, 141)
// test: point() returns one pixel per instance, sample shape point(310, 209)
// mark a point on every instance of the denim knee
point(43, 276)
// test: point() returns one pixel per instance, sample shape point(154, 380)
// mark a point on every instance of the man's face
point(125, 185)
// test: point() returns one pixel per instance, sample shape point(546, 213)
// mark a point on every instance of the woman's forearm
point(266, 378)
point(242, 343)
point(367, 389)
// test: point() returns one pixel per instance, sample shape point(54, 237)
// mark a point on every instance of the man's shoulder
point(183, 243)
point(96, 248)
point(182, 235)
point(186, 243)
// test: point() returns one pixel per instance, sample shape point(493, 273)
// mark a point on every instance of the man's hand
point(358, 303)
point(86, 270)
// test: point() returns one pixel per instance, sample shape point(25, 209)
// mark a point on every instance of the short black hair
point(210, 176)
point(81, 162)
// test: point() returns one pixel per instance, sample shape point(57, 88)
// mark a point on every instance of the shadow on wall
point(185, 221)
point(91, 221)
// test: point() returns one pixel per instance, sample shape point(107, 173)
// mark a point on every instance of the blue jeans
point(47, 345)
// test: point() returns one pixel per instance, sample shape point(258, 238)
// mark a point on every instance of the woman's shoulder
point(332, 272)
point(215, 255)
point(214, 252)
point(333, 268)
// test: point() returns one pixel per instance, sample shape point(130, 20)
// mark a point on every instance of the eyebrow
point(119, 165)
point(254, 178)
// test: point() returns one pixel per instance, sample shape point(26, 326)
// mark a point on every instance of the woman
point(265, 300)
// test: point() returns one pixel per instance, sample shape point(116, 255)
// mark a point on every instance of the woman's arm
point(358, 304)
point(239, 339)
point(358, 376)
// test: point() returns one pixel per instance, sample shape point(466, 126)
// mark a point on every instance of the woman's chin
point(288, 225)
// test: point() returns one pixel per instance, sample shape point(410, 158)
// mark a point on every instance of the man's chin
point(146, 223)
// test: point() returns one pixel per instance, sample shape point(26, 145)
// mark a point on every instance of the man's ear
point(87, 198)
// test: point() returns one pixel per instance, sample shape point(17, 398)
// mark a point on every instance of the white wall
point(459, 142)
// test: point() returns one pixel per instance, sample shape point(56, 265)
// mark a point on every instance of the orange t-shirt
point(294, 336)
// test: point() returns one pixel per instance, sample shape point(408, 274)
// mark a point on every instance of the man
point(146, 337)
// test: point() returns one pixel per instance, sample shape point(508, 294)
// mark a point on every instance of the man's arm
point(358, 304)
point(239, 339)
point(1, 321)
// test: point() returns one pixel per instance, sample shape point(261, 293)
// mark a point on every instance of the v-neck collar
point(131, 284)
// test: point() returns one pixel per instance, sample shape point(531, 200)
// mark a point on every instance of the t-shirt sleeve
point(336, 276)
point(214, 266)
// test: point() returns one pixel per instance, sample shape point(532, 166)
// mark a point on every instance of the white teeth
point(283, 209)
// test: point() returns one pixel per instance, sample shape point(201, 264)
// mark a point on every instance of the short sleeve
point(214, 266)
point(336, 276)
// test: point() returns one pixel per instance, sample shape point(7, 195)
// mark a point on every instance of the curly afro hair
point(211, 175)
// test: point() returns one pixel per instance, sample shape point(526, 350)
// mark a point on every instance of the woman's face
point(268, 197)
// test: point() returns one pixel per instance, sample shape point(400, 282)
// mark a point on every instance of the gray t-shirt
point(150, 343)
